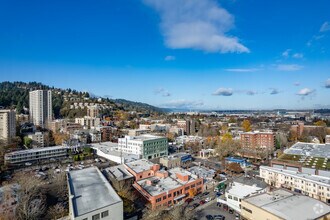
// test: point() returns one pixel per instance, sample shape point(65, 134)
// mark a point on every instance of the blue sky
point(197, 54)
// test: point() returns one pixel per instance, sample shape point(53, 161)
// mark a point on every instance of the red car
point(202, 202)
point(189, 200)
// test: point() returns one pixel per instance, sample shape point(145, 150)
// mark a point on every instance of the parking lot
point(212, 209)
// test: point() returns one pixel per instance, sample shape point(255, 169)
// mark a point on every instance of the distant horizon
point(210, 54)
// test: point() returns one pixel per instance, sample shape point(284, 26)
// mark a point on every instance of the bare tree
point(57, 211)
point(31, 200)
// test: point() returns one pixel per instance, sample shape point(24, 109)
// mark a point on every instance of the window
point(159, 199)
point(248, 210)
point(230, 197)
point(96, 217)
point(235, 198)
point(164, 197)
point(104, 214)
point(169, 195)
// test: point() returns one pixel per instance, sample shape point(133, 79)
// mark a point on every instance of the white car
point(207, 199)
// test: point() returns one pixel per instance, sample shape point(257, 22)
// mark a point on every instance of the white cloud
point(298, 55)
point(169, 58)
point(163, 92)
point(243, 70)
point(327, 84)
point(289, 67)
point(223, 92)
point(325, 27)
point(286, 53)
point(305, 92)
point(182, 103)
point(197, 24)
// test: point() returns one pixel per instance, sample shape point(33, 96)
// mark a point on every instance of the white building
point(92, 197)
point(315, 186)
point(146, 146)
point(240, 189)
point(40, 107)
point(35, 155)
point(7, 125)
point(38, 139)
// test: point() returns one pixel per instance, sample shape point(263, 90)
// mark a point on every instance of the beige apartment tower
point(7, 125)
point(40, 107)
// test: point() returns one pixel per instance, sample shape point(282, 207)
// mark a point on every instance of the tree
point(56, 211)
point(27, 141)
point(227, 137)
point(246, 125)
point(234, 167)
point(320, 123)
point(227, 147)
point(31, 199)
point(192, 192)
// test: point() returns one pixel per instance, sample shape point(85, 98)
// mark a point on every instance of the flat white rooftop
point(119, 172)
point(34, 150)
point(140, 165)
point(143, 137)
point(290, 206)
point(90, 191)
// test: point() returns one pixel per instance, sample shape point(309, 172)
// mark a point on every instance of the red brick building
point(257, 144)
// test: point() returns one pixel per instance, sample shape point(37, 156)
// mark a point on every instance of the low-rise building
point(92, 197)
point(315, 186)
point(88, 122)
point(170, 161)
point(36, 155)
point(281, 204)
point(138, 132)
point(146, 146)
point(119, 173)
point(327, 139)
point(168, 188)
point(241, 188)
point(38, 139)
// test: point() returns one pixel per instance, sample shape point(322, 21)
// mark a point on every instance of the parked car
point(209, 217)
point(189, 200)
point(207, 199)
point(206, 193)
point(195, 205)
point(202, 202)
point(219, 217)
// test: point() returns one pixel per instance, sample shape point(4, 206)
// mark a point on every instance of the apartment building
point(146, 146)
point(93, 111)
point(40, 107)
point(7, 125)
point(35, 155)
point(88, 122)
point(315, 186)
point(257, 144)
point(281, 204)
point(38, 139)
point(164, 188)
point(91, 197)
point(138, 132)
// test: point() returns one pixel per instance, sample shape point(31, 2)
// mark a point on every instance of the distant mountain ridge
point(16, 95)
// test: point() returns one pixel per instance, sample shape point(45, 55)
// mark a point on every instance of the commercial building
point(315, 186)
point(7, 125)
point(138, 132)
point(241, 161)
point(145, 146)
point(119, 173)
point(91, 196)
point(281, 204)
point(241, 188)
point(40, 107)
point(170, 161)
point(110, 151)
point(164, 188)
point(36, 155)
point(257, 144)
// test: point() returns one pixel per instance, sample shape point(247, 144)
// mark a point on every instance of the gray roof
point(250, 181)
point(289, 206)
point(119, 172)
point(139, 166)
point(89, 191)
point(310, 149)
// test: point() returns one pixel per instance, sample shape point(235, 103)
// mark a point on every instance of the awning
point(180, 197)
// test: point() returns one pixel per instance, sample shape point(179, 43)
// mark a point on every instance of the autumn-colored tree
point(192, 192)
point(234, 167)
point(320, 123)
point(246, 125)
point(59, 138)
point(227, 137)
